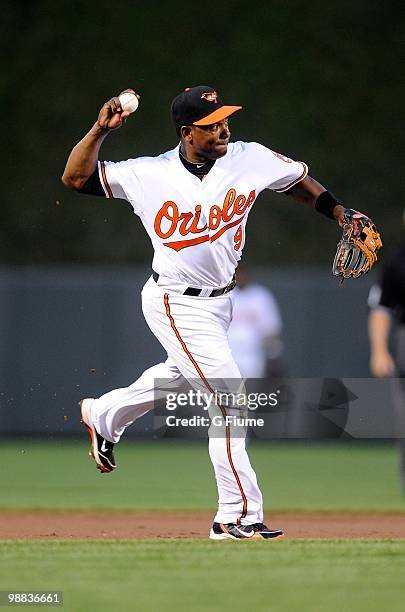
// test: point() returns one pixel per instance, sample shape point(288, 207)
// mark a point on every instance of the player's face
point(210, 141)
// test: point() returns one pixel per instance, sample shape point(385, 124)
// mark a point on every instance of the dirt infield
point(141, 525)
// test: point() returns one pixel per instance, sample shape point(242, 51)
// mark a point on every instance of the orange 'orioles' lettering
point(188, 223)
point(170, 212)
point(193, 227)
point(215, 217)
point(228, 211)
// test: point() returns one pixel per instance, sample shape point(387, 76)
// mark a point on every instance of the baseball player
point(194, 203)
point(255, 332)
point(387, 306)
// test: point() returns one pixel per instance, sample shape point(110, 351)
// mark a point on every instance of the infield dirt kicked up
point(45, 525)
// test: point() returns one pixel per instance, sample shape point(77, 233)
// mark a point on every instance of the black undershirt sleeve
point(93, 185)
point(393, 288)
point(389, 288)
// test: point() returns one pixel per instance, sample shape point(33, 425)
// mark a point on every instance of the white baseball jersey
point(197, 227)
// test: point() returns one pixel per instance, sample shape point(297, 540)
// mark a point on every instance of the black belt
point(195, 291)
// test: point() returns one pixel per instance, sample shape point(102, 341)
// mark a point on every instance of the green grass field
point(189, 575)
point(148, 575)
point(174, 475)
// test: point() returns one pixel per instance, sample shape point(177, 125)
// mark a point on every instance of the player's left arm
point(316, 196)
point(358, 247)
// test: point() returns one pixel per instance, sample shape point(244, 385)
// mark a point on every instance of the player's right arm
point(82, 161)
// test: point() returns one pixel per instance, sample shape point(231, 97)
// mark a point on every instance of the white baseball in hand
point(129, 101)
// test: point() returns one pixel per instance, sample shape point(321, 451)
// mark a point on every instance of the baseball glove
point(357, 250)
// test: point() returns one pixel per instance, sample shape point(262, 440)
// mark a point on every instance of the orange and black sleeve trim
point(105, 181)
point(295, 181)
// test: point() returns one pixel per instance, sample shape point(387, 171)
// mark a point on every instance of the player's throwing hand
point(113, 115)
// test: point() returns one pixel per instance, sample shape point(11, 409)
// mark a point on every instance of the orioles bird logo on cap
point(210, 96)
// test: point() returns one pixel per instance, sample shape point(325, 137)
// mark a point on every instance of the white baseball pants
point(193, 331)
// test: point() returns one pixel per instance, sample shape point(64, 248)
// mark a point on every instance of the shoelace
point(260, 526)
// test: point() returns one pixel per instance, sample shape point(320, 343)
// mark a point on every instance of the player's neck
point(190, 156)
point(199, 169)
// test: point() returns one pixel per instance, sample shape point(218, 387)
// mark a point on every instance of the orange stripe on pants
point(211, 390)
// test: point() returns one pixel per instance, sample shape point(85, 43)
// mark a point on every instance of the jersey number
point(238, 238)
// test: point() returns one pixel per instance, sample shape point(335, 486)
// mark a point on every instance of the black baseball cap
point(199, 105)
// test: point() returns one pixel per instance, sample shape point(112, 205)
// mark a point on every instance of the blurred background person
point(255, 332)
point(387, 305)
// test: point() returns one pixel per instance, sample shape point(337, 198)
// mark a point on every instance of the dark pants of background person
point(399, 397)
